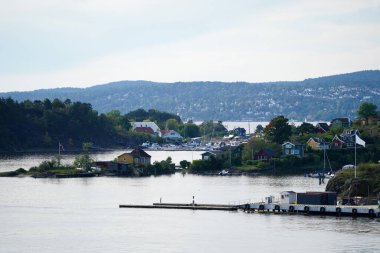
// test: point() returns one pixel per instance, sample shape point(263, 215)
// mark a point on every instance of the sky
point(81, 43)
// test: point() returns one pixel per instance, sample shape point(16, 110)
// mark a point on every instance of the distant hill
point(320, 98)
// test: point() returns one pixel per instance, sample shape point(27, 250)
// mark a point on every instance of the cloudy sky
point(80, 43)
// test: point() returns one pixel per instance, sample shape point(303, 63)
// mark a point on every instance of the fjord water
point(82, 215)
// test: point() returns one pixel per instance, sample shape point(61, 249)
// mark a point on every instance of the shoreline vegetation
point(39, 125)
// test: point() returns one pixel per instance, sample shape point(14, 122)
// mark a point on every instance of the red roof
point(147, 130)
point(165, 131)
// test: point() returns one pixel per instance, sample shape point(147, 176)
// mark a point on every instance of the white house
point(171, 135)
point(288, 197)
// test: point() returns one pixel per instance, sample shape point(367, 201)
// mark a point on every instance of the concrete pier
point(185, 206)
point(369, 211)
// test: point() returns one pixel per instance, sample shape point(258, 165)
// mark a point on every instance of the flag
point(359, 141)
point(60, 146)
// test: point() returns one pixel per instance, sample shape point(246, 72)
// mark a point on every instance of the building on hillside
point(207, 155)
point(371, 130)
point(289, 148)
point(348, 136)
point(371, 120)
point(321, 128)
point(135, 157)
point(264, 155)
point(317, 144)
point(341, 122)
point(171, 135)
point(337, 143)
point(150, 128)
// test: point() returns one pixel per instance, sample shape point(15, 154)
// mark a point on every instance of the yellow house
point(317, 144)
point(136, 157)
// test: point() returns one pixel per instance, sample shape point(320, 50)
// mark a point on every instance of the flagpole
point(355, 154)
point(59, 154)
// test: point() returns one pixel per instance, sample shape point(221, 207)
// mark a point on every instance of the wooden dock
point(338, 210)
point(185, 206)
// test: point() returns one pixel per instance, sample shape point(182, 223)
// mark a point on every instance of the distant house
point(371, 120)
point(348, 136)
point(171, 135)
point(341, 122)
point(136, 157)
point(239, 131)
point(264, 155)
point(321, 128)
point(289, 148)
point(337, 143)
point(150, 128)
point(317, 143)
point(346, 139)
point(207, 155)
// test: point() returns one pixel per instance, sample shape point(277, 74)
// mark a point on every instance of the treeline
point(43, 124)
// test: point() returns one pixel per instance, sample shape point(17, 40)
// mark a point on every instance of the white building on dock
point(288, 197)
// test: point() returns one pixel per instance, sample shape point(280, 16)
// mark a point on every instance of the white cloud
point(289, 41)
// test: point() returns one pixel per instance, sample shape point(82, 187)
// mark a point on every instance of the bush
point(262, 165)
point(251, 162)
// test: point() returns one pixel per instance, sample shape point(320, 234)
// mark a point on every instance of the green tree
point(305, 128)
point(278, 130)
point(84, 162)
point(120, 122)
point(172, 124)
point(184, 164)
point(366, 110)
point(47, 139)
point(259, 129)
point(191, 130)
point(86, 146)
point(212, 128)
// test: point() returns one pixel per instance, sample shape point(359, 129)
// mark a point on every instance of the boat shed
point(288, 197)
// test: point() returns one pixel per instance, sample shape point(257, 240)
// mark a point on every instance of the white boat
point(145, 145)
point(224, 173)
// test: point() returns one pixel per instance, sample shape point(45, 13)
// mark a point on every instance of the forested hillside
point(43, 124)
point(314, 99)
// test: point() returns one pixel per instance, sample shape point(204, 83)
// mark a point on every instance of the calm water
point(82, 215)
point(8, 163)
